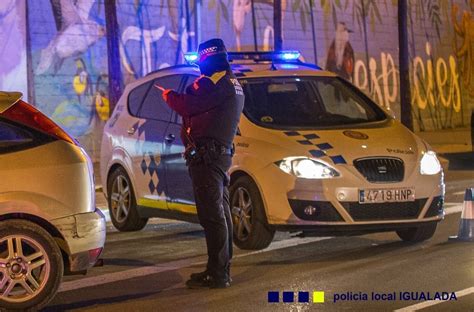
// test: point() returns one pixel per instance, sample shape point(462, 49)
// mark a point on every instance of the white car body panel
point(258, 148)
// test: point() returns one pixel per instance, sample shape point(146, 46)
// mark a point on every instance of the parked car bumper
point(83, 238)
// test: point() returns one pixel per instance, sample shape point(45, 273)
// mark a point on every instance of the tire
point(417, 234)
point(122, 203)
point(256, 234)
point(37, 243)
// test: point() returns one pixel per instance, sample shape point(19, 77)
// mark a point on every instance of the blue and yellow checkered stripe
point(317, 149)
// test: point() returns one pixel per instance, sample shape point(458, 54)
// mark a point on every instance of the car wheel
point(31, 266)
point(122, 203)
point(251, 230)
point(417, 234)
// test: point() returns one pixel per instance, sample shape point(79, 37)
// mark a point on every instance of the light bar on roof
point(289, 55)
point(191, 57)
point(286, 56)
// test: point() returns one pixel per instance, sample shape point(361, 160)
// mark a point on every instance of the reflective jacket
point(210, 108)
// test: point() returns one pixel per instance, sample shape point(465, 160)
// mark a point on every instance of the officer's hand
point(165, 91)
point(165, 94)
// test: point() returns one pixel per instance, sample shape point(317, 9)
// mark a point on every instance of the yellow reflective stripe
point(182, 208)
point(161, 204)
point(152, 203)
point(217, 76)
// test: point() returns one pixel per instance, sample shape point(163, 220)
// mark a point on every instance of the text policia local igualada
point(392, 296)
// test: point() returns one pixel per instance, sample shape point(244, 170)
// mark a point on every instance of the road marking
point(123, 275)
point(451, 208)
point(286, 243)
point(430, 303)
point(178, 264)
point(173, 265)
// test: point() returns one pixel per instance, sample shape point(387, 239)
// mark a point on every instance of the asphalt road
point(146, 270)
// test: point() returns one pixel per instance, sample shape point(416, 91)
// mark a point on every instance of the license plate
point(386, 195)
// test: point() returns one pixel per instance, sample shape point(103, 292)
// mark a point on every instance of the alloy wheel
point(242, 213)
point(24, 268)
point(120, 199)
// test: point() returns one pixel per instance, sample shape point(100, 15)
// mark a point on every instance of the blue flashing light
point(267, 56)
point(191, 57)
point(289, 55)
point(289, 66)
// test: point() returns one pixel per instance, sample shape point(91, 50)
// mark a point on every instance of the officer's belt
point(214, 145)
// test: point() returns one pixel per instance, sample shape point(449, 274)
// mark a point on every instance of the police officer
point(211, 109)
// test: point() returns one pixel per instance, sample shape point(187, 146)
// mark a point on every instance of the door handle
point(170, 138)
point(131, 130)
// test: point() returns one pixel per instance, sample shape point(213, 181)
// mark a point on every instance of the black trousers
point(210, 182)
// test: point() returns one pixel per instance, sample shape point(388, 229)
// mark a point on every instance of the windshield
point(307, 102)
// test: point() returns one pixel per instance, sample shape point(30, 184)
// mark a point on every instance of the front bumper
point(83, 238)
point(419, 209)
point(348, 229)
point(335, 202)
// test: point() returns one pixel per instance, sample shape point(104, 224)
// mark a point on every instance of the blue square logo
point(288, 296)
point(273, 296)
point(303, 296)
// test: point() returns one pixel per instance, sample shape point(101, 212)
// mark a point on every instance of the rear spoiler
point(8, 99)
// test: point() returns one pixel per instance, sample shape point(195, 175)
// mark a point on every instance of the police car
point(313, 155)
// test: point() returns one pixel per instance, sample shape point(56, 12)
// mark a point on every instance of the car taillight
point(94, 255)
point(29, 116)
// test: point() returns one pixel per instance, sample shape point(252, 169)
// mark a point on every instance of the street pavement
point(146, 270)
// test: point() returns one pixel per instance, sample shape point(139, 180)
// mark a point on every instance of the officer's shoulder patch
point(217, 76)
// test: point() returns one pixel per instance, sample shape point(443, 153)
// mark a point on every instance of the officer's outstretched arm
point(199, 98)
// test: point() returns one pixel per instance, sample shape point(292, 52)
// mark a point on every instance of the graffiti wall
point(69, 65)
point(13, 69)
point(65, 59)
point(358, 40)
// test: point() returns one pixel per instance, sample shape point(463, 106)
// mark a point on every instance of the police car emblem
point(355, 135)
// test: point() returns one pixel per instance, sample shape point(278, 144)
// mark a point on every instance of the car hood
point(344, 145)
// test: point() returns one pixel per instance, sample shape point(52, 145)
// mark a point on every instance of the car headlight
point(429, 164)
point(307, 168)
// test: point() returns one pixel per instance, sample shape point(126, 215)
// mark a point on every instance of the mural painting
point(355, 39)
point(13, 43)
point(70, 66)
point(464, 50)
point(436, 68)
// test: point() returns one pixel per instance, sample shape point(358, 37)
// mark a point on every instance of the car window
point(12, 137)
point(153, 106)
point(189, 81)
point(306, 102)
point(340, 101)
point(136, 97)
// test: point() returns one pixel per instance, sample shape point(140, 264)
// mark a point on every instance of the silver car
point(49, 225)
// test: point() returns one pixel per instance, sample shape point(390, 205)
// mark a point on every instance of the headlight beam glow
point(307, 168)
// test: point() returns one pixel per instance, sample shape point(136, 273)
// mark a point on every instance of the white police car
point(313, 154)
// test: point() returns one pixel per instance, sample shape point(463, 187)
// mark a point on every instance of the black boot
point(202, 275)
point(206, 281)
point(198, 276)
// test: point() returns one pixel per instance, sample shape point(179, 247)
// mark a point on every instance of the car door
point(179, 186)
point(154, 116)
